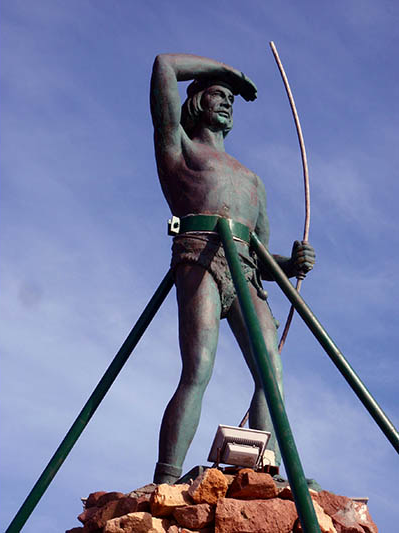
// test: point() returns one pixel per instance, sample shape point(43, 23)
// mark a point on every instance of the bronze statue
point(199, 178)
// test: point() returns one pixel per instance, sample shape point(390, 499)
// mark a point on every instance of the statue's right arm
point(165, 100)
point(168, 69)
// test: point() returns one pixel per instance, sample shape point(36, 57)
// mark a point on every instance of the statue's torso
point(204, 180)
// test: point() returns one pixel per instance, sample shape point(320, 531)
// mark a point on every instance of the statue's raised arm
point(168, 69)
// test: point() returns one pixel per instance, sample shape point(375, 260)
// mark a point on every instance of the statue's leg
point(199, 316)
point(259, 416)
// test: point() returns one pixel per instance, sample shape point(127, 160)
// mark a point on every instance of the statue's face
point(217, 104)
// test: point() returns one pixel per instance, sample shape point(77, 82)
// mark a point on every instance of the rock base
point(248, 502)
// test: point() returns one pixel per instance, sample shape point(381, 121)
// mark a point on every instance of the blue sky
point(84, 243)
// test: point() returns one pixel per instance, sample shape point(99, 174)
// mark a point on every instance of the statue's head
point(208, 99)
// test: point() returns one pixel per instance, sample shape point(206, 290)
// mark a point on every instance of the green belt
point(206, 223)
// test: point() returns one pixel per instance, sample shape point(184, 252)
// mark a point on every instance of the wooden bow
point(305, 179)
point(307, 196)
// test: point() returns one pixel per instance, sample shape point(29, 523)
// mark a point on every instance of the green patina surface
point(199, 178)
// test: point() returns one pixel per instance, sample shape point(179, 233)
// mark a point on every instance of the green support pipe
point(278, 414)
point(327, 343)
point(91, 405)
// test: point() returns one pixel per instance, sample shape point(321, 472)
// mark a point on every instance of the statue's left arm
point(302, 256)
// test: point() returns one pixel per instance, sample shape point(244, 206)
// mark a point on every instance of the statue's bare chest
point(219, 168)
point(209, 181)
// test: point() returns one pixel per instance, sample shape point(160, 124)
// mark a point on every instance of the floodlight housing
point(241, 447)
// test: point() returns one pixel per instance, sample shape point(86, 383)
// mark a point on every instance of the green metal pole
point(327, 343)
point(278, 414)
point(91, 405)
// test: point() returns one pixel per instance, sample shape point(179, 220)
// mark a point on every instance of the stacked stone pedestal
point(248, 502)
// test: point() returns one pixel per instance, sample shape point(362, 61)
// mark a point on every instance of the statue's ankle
point(166, 473)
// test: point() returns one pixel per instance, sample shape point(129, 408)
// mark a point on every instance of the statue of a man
point(199, 178)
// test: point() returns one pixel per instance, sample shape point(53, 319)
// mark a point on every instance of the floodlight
point(241, 447)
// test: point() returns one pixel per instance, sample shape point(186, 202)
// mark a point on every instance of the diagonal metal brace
point(275, 403)
point(91, 405)
point(327, 343)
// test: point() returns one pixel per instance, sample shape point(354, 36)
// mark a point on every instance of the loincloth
point(206, 250)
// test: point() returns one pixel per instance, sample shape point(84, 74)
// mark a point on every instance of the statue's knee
point(198, 375)
point(196, 380)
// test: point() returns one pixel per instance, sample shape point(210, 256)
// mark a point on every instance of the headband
point(203, 83)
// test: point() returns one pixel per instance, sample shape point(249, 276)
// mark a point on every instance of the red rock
point(166, 498)
point(110, 510)
point(109, 497)
point(195, 516)
point(255, 516)
point(364, 518)
point(208, 487)
point(136, 523)
point(92, 500)
point(229, 478)
point(250, 485)
point(331, 502)
point(345, 522)
point(204, 530)
point(147, 490)
point(286, 493)
point(348, 516)
point(143, 504)
point(325, 522)
point(87, 514)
